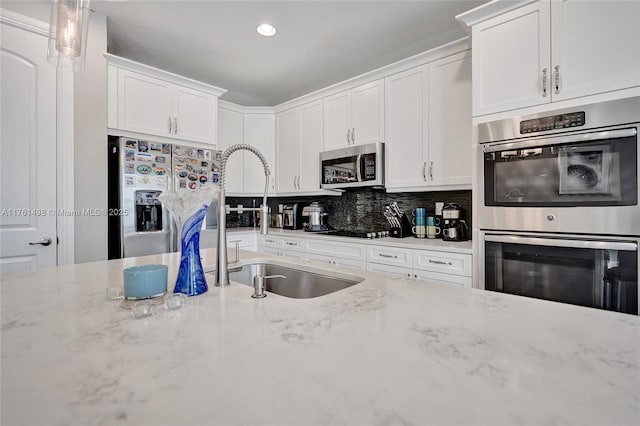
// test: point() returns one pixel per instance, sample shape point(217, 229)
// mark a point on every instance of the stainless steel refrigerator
point(139, 172)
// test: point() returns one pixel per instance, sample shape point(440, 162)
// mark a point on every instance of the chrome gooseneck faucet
point(222, 262)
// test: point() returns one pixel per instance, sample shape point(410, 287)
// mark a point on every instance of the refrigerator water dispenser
point(148, 211)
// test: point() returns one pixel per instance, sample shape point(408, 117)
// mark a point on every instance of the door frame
point(64, 142)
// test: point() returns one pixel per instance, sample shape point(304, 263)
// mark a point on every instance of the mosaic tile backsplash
point(360, 210)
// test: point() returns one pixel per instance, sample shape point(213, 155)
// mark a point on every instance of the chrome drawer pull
point(440, 262)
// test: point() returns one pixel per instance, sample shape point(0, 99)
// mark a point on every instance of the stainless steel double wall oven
point(559, 217)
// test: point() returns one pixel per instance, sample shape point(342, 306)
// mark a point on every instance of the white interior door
point(27, 152)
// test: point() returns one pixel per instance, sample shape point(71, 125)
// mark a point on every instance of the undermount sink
point(300, 283)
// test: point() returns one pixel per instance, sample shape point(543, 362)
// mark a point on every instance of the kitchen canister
point(144, 281)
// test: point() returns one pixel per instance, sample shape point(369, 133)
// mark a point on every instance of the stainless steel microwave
point(353, 167)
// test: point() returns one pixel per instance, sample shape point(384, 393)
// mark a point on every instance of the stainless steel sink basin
point(300, 282)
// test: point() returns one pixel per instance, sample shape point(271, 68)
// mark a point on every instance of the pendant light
point(68, 31)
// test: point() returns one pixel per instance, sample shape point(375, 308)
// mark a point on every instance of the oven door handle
point(553, 242)
point(559, 140)
point(359, 168)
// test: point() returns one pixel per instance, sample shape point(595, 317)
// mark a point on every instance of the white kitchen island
point(382, 352)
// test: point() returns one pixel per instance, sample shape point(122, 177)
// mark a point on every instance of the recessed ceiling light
point(266, 30)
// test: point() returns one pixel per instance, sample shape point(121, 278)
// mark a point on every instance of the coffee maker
point(454, 230)
point(292, 216)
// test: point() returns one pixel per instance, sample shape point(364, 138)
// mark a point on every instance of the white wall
point(90, 146)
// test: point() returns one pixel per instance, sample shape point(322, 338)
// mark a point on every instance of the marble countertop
point(382, 352)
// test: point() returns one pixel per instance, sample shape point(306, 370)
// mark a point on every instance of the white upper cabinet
point(194, 115)
point(299, 140)
point(230, 132)
point(144, 104)
point(428, 126)
point(554, 50)
point(337, 120)
point(287, 150)
point(449, 123)
point(595, 47)
point(153, 102)
point(244, 173)
point(311, 143)
point(355, 116)
point(511, 60)
point(259, 132)
point(405, 112)
point(367, 113)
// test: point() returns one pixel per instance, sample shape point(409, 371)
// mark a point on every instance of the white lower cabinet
point(337, 250)
point(337, 261)
point(442, 278)
point(280, 246)
point(442, 262)
point(280, 252)
point(392, 271)
point(392, 256)
point(426, 265)
point(245, 240)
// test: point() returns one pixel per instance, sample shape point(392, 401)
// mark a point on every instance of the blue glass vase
point(191, 280)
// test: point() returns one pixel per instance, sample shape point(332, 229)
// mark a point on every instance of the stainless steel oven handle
point(582, 137)
point(553, 242)
point(359, 168)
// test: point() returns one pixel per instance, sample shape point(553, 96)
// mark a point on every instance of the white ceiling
point(318, 43)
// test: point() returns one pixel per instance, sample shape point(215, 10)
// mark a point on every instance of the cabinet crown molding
point(419, 59)
point(163, 75)
point(488, 10)
point(245, 109)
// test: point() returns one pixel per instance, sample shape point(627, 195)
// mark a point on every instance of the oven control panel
point(552, 122)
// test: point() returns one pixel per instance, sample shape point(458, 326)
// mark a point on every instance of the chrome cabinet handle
point(556, 79)
point(431, 170)
point(424, 171)
point(388, 256)
point(440, 262)
point(175, 126)
point(353, 136)
point(170, 127)
point(348, 137)
point(44, 241)
point(544, 82)
point(552, 242)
